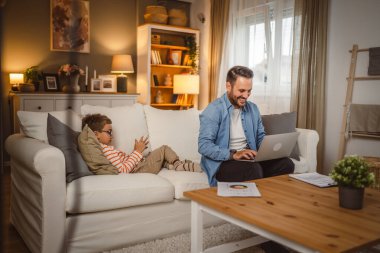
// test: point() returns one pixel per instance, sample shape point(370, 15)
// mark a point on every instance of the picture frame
point(51, 82)
point(176, 55)
point(108, 83)
point(72, 35)
point(96, 85)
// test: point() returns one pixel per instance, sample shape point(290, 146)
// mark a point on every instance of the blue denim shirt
point(214, 133)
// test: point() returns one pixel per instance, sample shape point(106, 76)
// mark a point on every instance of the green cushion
point(91, 151)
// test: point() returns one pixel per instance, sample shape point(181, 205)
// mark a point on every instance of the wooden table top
point(302, 213)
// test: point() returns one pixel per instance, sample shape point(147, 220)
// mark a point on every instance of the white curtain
point(260, 37)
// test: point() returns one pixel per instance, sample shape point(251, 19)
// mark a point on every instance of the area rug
point(180, 243)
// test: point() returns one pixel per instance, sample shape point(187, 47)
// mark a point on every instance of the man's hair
point(96, 122)
point(237, 71)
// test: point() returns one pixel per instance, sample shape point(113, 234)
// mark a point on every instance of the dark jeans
point(238, 171)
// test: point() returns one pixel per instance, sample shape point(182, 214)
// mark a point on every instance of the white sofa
point(97, 213)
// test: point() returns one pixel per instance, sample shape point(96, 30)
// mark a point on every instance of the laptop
point(276, 146)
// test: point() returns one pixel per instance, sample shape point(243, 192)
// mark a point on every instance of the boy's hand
point(141, 144)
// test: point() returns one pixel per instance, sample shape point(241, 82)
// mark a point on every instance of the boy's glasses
point(109, 132)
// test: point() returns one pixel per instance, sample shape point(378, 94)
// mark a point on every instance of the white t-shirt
point(238, 140)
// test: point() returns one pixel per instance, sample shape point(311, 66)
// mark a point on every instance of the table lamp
point(122, 64)
point(15, 79)
point(186, 84)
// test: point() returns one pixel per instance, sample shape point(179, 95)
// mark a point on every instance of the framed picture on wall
point(51, 82)
point(108, 83)
point(70, 30)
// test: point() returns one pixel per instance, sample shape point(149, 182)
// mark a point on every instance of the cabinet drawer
point(120, 102)
point(39, 105)
point(97, 102)
point(70, 104)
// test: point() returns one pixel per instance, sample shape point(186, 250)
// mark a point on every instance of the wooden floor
point(11, 241)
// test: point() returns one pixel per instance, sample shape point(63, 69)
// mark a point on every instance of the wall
point(26, 42)
point(350, 22)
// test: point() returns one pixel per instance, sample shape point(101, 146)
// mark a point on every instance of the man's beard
point(234, 100)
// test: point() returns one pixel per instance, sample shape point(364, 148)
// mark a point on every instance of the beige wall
point(349, 22)
point(25, 41)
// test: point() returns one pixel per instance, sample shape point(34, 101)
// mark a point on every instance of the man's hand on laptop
point(245, 154)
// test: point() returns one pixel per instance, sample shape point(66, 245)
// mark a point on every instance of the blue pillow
point(64, 138)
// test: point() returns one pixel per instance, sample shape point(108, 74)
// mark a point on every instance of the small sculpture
point(168, 80)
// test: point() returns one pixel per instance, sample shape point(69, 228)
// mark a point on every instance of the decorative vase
point(71, 84)
point(351, 197)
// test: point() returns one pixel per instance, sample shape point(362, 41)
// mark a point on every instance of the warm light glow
point(122, 63)
point(186, 84)
point(16, 78)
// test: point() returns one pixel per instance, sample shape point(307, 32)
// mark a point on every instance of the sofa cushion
point(185, 181)
point(92, 153)
point(177, 129)
point(280, 124)
point(107, 192)
point(33, 124)
point(128, 124)
point(63, 137)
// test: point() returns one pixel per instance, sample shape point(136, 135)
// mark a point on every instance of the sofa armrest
point(307, 143)
point(38, 193)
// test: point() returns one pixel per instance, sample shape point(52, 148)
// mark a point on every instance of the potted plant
point(193, 52)
point(33, 75)
point(352, 175)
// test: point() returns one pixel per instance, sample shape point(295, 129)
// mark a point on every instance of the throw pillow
point(177, 129)
point(91, 151)
point(33, 124)
point(64, 138)
point(128, 124)
point(280, 124)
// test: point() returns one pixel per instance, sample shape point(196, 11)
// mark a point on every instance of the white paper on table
point(238, 189)
point(314, 178)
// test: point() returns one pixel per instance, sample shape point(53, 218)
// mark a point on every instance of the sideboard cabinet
point(46, 102)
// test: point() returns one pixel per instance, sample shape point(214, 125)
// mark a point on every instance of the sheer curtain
point(259, 36)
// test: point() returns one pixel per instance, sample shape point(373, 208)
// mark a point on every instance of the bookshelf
point(167, 56)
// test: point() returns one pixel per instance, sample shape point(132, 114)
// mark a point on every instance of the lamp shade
point(122, 63)
point(186, 84)
point(16, 78)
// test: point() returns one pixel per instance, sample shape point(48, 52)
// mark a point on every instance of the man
point(231, 130)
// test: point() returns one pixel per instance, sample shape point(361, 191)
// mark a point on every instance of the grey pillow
point(64, 138)
point(280, 124)
point(92, 153)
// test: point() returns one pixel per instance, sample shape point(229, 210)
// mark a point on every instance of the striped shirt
point(123, 162)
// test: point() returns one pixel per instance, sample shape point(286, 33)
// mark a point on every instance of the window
point(262, 38)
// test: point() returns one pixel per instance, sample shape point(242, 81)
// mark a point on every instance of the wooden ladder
point(350, 86)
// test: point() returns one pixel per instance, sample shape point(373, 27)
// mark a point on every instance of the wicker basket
point(374, 163)
point(156, 18)
point(177, 17)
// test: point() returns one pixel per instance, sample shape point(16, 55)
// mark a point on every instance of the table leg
point(196, 228)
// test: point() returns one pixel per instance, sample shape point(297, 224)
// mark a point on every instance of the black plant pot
point(351, 197)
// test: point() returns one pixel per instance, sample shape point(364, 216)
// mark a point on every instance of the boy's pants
point(154, 160)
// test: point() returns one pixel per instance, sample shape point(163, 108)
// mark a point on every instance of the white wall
point(202, 7)
point(349, 22)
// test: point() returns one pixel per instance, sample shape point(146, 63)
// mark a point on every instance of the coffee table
point(293, 213)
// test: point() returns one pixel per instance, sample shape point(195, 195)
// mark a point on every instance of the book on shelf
point(155, 80)
point(185, 59)
point(174, 98)
point(158, 57)
point(153, 57)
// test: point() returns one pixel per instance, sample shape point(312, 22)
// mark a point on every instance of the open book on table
point(238, 189)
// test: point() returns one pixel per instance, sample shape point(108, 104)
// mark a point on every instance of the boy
point(163, 156)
